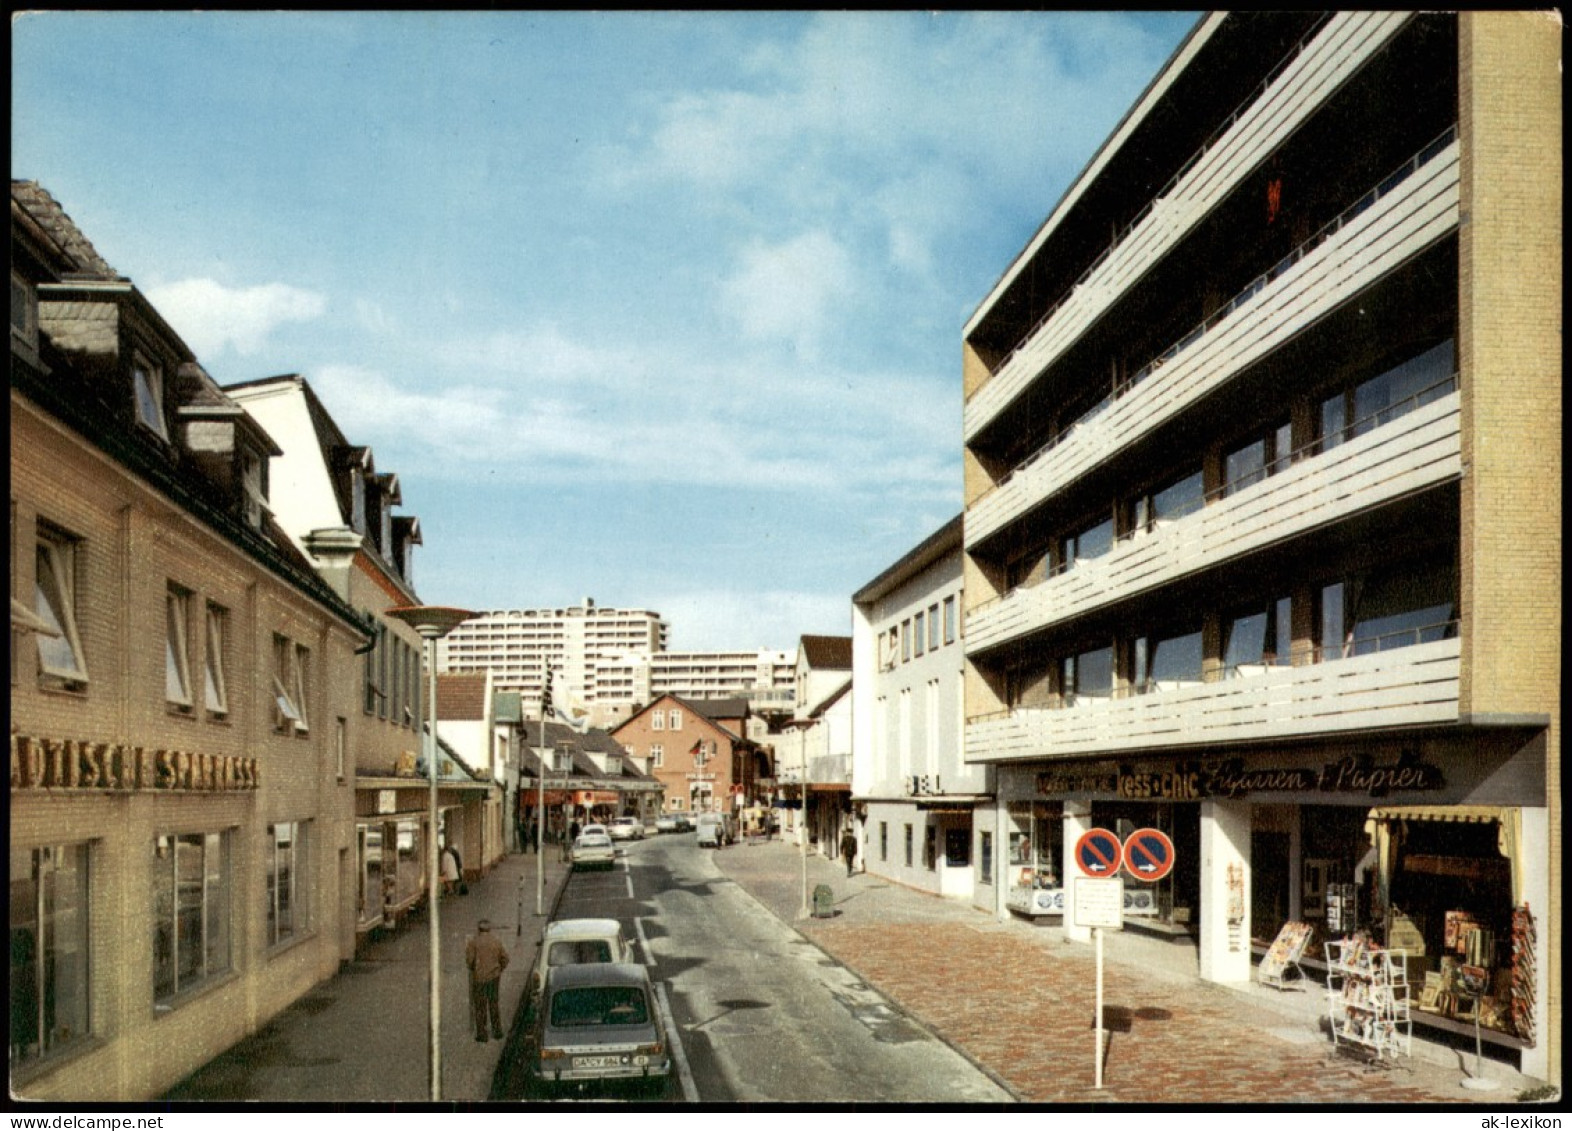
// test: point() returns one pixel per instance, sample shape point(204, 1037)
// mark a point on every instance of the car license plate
point(597, 1061)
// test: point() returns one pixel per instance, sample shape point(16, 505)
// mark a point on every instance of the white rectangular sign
point(1099, 903)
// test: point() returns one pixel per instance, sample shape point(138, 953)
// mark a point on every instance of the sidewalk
point(1017, 998)
point(360, 1037)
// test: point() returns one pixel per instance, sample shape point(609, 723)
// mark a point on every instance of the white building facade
point(920, 799)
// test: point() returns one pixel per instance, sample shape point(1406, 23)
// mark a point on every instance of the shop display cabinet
point(1367, 995)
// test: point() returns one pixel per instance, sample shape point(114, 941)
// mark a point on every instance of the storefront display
point(1034, 872)
point(1367, 996)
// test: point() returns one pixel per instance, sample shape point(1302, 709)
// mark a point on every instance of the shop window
point(286, 877)
point(930, 847)
point(191, 916)
point(909, 844)
point(177, 646)
point(216, 661)
point(49, 949)
point(958, 847)
point(60, 658)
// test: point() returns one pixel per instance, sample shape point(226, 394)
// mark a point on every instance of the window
point(396, 683)
point(1181, 497)
point(24, 309)
point(909, 844)
point(302, 675)
point(373, 691)
point(49, 948)
point(1176, 661)
point(1418, 381)
point(1258, 638)
point(60, 658)
point(148, 380)
point(286, 710)
point(906, 640)
point(675, 720)
point(985, 858)
point(657, 754)
point(340, 745)
point(177, 650)
point(933, 628)
point(1088, 674)
point(949, 620)
point(286, 875)
point(658, 720)
point(1258, 459)
point(917, 635)
point(1412, 603)
point(386, 642)
point(215, 684)
point(191, 889)
point(251, 488)
point(884, 840)
point(1093, 542)
point(930, 847)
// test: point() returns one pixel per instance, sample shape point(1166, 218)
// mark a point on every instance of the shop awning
point(1472, 814)
point(829, 787)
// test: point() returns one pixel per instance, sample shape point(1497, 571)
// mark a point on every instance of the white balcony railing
point(1347, 42)
point(1414, 214)
point(1415, 451)
point(1400, 687)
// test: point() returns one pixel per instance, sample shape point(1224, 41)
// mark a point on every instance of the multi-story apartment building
point(1262, 458)
point(180, 674)
point(519, 645)
point(763, 677)
point(338, 510)
point(908, 769)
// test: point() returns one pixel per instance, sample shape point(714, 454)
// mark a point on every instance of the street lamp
point(433, 622)
point(801, 726)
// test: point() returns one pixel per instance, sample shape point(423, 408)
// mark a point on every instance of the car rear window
point(599, 1005)
point(579, 951)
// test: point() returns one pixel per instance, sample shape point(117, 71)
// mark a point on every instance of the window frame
point(288, 914)
point(214, 924)
point(62, 553)
point(300, 670)
point(951, 621)
point(286, 712)
point(658, 720)
point(54, 910)
point(215, 660)
point(919, 634)
point(177, 648)
point(147, 377)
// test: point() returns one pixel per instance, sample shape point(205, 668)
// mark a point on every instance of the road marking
point(690, 1090)
point(644, 942)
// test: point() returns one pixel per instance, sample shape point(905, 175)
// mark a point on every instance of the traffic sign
point(1098, 853)
point(1148, 854)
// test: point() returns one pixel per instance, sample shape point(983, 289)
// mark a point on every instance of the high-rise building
point(1263, 506)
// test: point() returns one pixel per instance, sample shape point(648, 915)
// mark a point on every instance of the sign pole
point(1097, 938)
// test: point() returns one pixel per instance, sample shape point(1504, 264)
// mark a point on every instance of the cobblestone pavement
point(1019, 1001)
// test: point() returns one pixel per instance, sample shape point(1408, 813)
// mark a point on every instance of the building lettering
point(1163, 786)
point(1052, 782)
point(49, 763)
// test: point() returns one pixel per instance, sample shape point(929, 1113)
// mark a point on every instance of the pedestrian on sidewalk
point(848, 849)
point(451, 873)
point(486, 958)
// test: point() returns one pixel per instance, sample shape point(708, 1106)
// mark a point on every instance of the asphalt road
point(757, 1013)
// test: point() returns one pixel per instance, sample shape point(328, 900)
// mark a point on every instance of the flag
point(545, 697)
point(697, 748)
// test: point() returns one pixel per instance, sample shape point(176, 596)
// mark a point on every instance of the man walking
point(848, 849)
point(486, 958)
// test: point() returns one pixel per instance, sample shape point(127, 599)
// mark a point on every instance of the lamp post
point(801, 726)
point(433, 622)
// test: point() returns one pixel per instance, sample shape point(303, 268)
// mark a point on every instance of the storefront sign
point(1052, 782)
point(1234, 779)
point(924, 785)
point(47, 763)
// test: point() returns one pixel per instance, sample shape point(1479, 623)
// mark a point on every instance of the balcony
point(1387, 688)
point(1347, 42)
point(1378, 233)
point(1417, 450)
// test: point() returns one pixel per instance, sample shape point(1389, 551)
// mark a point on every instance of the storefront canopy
point(1508, 835)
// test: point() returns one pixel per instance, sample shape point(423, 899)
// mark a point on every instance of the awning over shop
point(1386, 839)
point(829, 787)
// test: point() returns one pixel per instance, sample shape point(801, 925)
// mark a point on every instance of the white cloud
point(789, 291)
point(212, 317)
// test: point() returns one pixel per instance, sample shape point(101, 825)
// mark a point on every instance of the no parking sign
point(1148, 855)
point(1098, 853)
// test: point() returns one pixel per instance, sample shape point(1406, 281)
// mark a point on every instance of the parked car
point(576, 942)
point(593, 850)
point(626, 828)
point(598, 1022)
point(669, 823)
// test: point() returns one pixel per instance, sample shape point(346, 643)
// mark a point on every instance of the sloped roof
point(695, 707)
point(715, 709)
point(461, 696)
point(833, 652)
point(82, 257)
point(830, 700)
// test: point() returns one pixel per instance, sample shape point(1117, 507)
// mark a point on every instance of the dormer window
point(24, 310)
point(253, 496)
point(148, 382)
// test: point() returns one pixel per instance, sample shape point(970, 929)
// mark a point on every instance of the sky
point(659, 309)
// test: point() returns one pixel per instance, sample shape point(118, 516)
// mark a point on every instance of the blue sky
point(662, 309)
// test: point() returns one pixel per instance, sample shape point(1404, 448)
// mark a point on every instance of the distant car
point(626, 828)
point(669, 823)
point(593, 850)
point(573, 942)
point(598, 1022)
